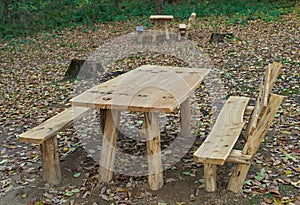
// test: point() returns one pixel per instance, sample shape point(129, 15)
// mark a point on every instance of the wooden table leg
point(155, 170)
point(185, 119)
point(101, 115)
point(155, 30)
point(166, 29)
point(50, 161)
point(108, 150)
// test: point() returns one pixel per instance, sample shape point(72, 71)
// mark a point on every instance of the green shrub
point(28, 17)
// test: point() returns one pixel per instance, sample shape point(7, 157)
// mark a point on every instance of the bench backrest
point(191, 20)
point(264, 111)
point(271, 73)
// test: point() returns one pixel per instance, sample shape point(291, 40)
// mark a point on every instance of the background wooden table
point(162, 18)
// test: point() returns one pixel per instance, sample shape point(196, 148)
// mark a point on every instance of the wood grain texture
point(50, 161)
point(265, 88)
point(210, 177)
point(50, 127)
point(236, 156)
point(240, 172)
point(108, 149)
point(185, 119)
point(219, 143)
point(155, 169)
point(144, 89)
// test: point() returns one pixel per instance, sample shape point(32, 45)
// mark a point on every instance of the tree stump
point(83, 69)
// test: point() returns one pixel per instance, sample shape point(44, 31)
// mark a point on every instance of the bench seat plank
point(50, 127)
point(219, 143)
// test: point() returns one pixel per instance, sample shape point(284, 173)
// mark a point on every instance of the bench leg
point(238, 177)
point(179, 35)
point(108, 150)
point(186, 34)
point(185, 119)
point(210, 177)
point(50, 161)
point(155, 170)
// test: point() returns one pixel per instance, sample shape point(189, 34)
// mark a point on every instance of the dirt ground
point(178, 188)
point(31, 91)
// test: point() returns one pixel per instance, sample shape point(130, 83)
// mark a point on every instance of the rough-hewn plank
point(155, 169)
point(240, 172)
point(219, 143)
point(149, 88)
point(108, 148)
point(50, 127)
point(265, 88)
point(275, 71)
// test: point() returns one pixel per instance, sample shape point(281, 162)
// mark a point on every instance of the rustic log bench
point(45, 135)
point(218, 147)
point(184, 29)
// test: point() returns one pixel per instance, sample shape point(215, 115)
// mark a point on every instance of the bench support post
point(210, 177)
point(108, 149)
point(241, 170)
point(151, 127)
point(50, 161)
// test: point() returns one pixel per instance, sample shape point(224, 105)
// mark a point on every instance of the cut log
point(151, 127)
point(108, 149)
point(185, 119)
point(210, 177)
point(83, 69)
point(50, 161)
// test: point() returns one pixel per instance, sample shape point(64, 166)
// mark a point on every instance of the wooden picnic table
point(161, 18)
point(150, 89)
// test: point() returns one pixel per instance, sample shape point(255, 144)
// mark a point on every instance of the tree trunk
point(5, 9)
point(116, 3)
point(159, 7)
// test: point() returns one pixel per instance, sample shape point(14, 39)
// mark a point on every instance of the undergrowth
point(25, 17)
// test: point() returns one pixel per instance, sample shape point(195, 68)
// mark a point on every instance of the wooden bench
point(163, 18)
point(45, 135)
point(218, 147)
point(184, 29)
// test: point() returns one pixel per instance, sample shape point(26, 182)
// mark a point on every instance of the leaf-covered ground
point(32, 90)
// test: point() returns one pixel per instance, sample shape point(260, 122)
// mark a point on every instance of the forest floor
point(32, 89)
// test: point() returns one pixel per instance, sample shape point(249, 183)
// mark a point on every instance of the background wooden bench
point(218, 146)
point(185, 29)
point(45, 135)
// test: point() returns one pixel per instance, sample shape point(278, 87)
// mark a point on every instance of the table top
point(161, 17)
point(149, 88)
